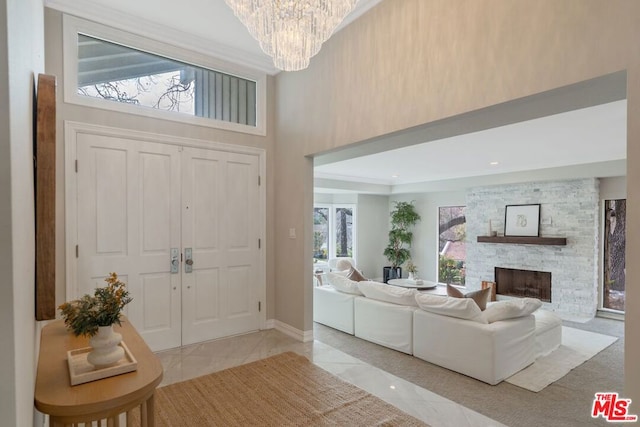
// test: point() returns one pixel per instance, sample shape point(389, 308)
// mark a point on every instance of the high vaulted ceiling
point(208, 26)
point(577, 140)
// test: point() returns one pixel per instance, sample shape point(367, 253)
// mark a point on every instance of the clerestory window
point(119, 71)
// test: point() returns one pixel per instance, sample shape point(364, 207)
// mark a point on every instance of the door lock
point(188, 260)
point(175, 261)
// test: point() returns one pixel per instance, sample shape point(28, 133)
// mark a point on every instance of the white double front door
point(142, 205)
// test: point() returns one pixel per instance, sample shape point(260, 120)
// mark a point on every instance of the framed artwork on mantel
point(522, 220)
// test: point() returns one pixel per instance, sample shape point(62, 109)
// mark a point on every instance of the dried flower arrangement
point(83, 316)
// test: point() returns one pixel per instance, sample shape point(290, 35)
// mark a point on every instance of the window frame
point(73, 25)
point(602, 263)
point(437, 245)
point(331, 243)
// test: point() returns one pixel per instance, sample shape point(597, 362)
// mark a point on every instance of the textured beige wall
point(411, 62)
point(54, 65)
point(21, 60)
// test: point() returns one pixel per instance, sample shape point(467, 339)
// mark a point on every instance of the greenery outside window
point(333, 232)
point(452, 225)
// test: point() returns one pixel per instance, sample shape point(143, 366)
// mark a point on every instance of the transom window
point(112, 69)
point(118, 73)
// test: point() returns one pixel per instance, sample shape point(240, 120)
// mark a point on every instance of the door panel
point(136, 200)
point(128, 219)
point(220, 224)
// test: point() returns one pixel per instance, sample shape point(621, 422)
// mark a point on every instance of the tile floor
point(191, 361)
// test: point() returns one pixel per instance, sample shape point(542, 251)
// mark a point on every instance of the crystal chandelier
point(291, 31)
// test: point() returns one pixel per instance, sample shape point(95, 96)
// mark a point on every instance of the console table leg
point(143, 414)
point(150, 412)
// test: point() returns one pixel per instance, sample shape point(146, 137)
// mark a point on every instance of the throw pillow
point(388, 293)
point(480, 297)
point(462, 308)
point(355, 275)
point(343, 284)
point(343, 265)
point(509, 309)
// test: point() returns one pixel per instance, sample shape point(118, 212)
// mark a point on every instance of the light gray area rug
point(577, 347)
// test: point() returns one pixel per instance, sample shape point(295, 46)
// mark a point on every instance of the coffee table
point(406, 283)
point(427, 286)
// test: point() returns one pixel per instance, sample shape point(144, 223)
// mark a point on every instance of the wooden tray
point(81, 371)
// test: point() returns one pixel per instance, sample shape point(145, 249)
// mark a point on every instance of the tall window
point(614, 259)
point(333, 231)
point(452, 226)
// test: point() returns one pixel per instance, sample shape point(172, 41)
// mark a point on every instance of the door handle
point(175, 262)
point(188, 260)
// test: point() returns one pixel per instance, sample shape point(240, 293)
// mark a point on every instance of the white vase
point(412, 276)
point(106, 349)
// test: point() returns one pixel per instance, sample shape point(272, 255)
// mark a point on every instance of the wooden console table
point(98, 400)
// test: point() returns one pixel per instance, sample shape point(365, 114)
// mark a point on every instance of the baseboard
point(304, 336)
point(270, 324)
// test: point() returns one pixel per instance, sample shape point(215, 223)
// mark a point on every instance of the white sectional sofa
point(333, 308)
point(461, 340)
point(488, 352)
point(390, 325)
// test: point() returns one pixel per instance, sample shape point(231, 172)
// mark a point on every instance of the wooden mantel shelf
point(556, 241)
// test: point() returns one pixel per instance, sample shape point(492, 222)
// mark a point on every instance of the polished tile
point(187, 362)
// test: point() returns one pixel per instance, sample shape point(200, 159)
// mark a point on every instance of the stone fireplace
point(568, 209)
point(523, 283)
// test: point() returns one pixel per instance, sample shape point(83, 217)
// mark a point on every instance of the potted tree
point(403, 218)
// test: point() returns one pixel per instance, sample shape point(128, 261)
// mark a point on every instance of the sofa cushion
point(480, 297)
point(343, 284)
point(388, 293)
point(462, 308)
point(355, 275)
point(509, 309)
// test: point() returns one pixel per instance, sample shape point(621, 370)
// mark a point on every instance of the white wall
point(613, 188)
point(21, 27)
point(373, 225)
point(424, 250)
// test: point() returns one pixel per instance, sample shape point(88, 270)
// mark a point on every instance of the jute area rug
point(283, 390)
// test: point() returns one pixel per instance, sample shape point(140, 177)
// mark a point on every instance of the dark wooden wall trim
point(45, 194)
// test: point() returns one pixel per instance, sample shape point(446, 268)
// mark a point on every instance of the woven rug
point(283, 390)
point(577, 347)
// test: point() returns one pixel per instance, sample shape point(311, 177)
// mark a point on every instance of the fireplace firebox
point(523, 283)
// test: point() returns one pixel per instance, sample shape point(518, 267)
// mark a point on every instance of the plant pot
point(389, 273)
point(106, 348)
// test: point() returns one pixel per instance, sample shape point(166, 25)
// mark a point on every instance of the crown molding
point(145, 28)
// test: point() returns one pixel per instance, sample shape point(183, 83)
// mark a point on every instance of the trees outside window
point(614, 254)
point(451, 244)
point(333, 231)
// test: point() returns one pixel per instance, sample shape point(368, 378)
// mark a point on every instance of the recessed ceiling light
point(395, 176)
point(494, 163)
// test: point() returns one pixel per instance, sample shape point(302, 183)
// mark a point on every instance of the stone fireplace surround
point(568, 209)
